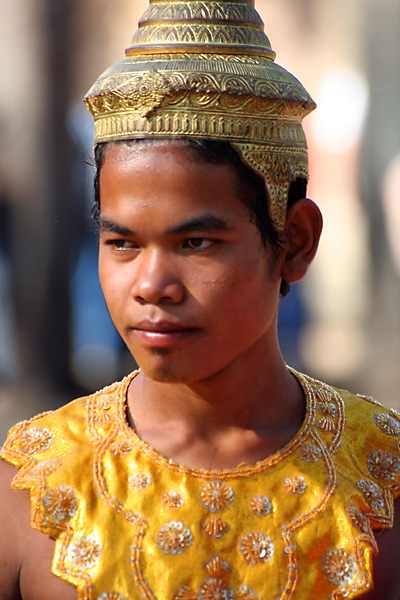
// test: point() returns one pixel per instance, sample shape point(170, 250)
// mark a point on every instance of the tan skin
point(164, 260)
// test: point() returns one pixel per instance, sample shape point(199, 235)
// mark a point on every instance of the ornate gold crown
point(205, 69)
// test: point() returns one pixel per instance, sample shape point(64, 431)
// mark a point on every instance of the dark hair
point(252, 190)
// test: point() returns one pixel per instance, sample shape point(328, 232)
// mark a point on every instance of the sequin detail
point(358, 519)
point(214, 527)
point(185, 593)
point(387, 423)
point(174, 538)
point(139, 481)
point(215, 589)
point(372, 493)
point(120, 448)
point(85, 552)
point(111, 596)
point(35, 440)
point(256, 548)
point(46, 467)
point(246, 593)
point(216, 496)
point(218, 568)
point(338, 566)
point(383, 464)
point(309, 453)
point(295, 485)
point(61, 503)
point(172, 499)
point(261, 506)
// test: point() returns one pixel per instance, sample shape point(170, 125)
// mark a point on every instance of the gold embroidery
point(372, 493)
point(174, 538)
point(309, 453)
point(383, 464)
point(185, 593)
point(45, 468)
point(261, 506)
point(111, 596)
point(120, 448)
point(214, 527)
point(218, 568)
point(359, 519)
point(246, 593)
point(338, 566)
point(216, 496)
point(84, 552)
point(215, 589)
point(173, 499)
point(139, 481)
point(61, 503)
point(35, 440)
point(295, 485)
point(387, 423)
point(256, 548)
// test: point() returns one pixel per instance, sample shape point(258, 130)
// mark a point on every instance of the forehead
point(166, 173)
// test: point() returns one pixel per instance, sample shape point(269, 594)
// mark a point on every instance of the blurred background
point(342, 324)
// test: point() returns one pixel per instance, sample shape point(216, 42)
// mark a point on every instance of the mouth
point(162, 334)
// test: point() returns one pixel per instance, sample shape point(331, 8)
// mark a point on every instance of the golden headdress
point(205, 69)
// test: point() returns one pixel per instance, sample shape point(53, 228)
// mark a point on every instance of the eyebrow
point(205, 223)
point(111, 227)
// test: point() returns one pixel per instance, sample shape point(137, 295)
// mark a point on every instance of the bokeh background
point(341, 324)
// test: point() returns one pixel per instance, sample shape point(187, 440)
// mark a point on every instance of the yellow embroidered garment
point(131, 524)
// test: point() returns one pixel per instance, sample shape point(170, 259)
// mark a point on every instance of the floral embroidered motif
point(45, 468)
point(256, 548)
point(35, 440)
point(85, 552)
point(111, 596)
point(383, 464)
point(295, 485)
point(246, 593)
point(139, 481)
point(120, 447)
point(328, 408)
point(104, 402)
point(215, 589)
point(172, 499)
point(338, 566)
point(174, 538)
point(61, 503)
point(217, 568)
point(387, 423)
point(214, 528)
point(216, 496)
point(372, 493)
point(185, 593)
point(309, 453)
point(261, 506)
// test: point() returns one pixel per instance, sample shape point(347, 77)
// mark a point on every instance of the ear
point(301, 237)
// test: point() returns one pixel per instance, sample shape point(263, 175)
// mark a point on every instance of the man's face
point(187, 281)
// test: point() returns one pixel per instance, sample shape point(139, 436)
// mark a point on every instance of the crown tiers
point(223, 27)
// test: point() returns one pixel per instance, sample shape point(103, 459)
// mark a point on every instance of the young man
point(216, 472)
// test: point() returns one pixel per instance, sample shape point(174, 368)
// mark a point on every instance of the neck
point(244, 412)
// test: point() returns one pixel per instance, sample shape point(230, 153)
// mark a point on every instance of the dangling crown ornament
point(205, 69)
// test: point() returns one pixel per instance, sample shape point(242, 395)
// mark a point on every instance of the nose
point(156, 279)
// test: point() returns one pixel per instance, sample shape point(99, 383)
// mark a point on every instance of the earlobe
point(301, 238)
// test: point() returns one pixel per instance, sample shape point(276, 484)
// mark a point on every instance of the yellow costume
point(132, 524)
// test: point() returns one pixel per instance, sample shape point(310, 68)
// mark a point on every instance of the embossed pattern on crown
point(232, 27)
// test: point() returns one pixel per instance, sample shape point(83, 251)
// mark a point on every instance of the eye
point(121, 245)
point(198, 243)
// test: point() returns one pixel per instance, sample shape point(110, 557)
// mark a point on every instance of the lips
point(162, 334)
point(161, 326)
